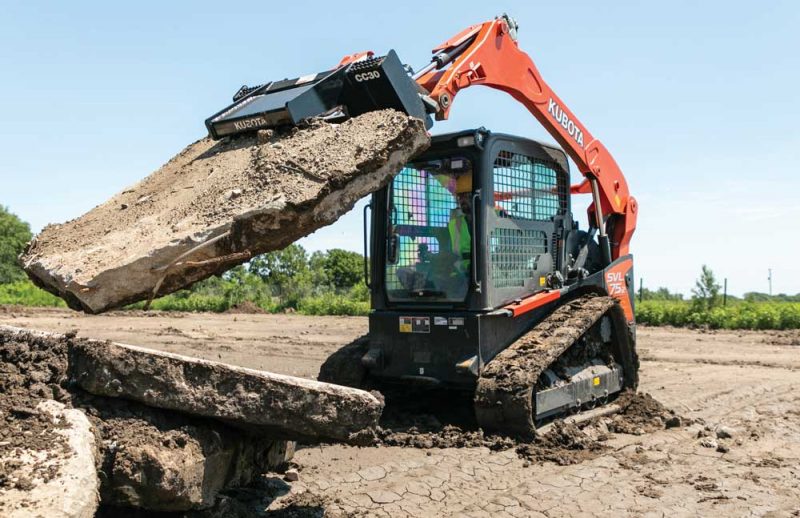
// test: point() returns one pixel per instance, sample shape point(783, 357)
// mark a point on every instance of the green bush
point(331, 304)
point(736, 315)
point(24, 293)
point(192, 302)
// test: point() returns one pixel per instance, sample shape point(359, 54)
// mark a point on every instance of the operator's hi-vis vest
point(460, 239)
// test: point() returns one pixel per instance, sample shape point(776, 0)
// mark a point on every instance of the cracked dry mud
point(745, 381)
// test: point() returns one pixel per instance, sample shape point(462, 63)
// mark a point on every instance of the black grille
point(366, 64)
point(514, 253)
point(527, 188)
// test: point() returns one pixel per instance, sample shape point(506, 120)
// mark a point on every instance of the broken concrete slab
point(215, 205)
point(162, 461)
point(148, 457)
point(70, 489)
point(274, 405)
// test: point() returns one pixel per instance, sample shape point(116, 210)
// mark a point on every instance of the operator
point(460, 223)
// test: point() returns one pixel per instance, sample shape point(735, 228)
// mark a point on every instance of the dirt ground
point(744, 382)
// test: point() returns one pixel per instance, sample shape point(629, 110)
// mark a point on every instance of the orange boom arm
point(488, 55)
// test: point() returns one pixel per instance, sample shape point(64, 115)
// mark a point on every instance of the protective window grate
point(526, 188)
point(408, 254)
point(514, 254)
point(420, 211)
point(419, 199)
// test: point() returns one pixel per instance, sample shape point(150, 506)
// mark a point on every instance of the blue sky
point(696, 100)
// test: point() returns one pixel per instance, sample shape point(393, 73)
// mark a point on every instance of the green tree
point(345, 269)
point(14, 234)
point(754, 296)
point(319, 275)
point(286, 271)
point(706, 289)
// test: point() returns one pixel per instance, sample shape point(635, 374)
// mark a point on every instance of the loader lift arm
point(488, 54)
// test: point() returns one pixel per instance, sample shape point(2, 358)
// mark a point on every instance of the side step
point(582, 417)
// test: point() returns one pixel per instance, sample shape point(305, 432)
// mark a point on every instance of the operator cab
point(478, 222)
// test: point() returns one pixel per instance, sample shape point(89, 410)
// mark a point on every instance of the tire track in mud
point(726, 363)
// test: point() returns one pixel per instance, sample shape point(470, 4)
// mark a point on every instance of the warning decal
point(415, 324)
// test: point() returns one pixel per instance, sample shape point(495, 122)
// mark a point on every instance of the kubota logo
point(246, 124)
point(562, 118)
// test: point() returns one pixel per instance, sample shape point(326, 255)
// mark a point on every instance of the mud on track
point(744, 381)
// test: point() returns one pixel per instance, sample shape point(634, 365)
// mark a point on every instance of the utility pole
point(641, 289)
point(769, 278)
point(725, 293)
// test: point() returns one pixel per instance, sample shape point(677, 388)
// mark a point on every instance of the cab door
point(525, 199)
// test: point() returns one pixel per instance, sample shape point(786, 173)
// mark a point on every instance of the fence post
point(725, 293)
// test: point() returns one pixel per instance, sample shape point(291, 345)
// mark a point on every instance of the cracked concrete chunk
point(146, 457)
point(215, 205)
point(72, 492)
point(292, 475)
point(164, 463)
point(274, 405)
point(725, 432)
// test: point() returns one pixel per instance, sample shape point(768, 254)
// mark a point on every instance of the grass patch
point(24, 293)
point(331, 304)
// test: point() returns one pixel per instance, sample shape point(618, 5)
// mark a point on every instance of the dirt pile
point(31, 371)
point(158, 460)
point(148, 457)
point(563, 444)
point(641, 413)
point(788, 337)
point(445, 424)
point(237, 198)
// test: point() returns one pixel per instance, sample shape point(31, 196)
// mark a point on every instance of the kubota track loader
point(480, 278)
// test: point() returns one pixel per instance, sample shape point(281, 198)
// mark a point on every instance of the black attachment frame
point(359, 87)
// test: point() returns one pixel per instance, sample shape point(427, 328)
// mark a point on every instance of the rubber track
point(344, 367)
point(504, 396)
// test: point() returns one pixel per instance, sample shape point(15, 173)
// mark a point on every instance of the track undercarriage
point(579, 356)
